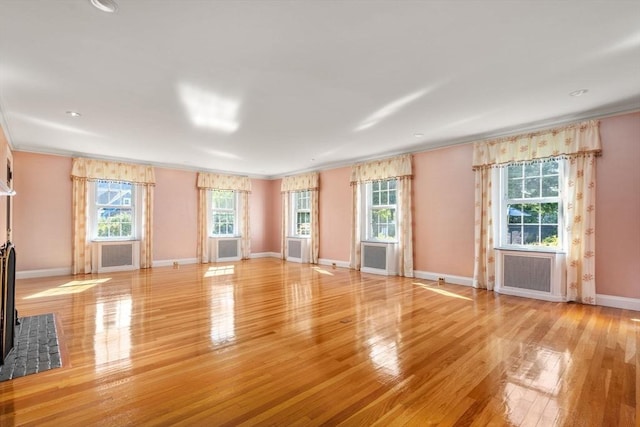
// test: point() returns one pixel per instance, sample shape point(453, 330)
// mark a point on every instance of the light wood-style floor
point(265, 342)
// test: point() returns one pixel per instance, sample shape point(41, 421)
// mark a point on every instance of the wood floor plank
point(265, 342)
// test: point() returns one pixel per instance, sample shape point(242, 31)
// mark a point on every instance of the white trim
point(45, 272)
point(618, 302)
point(525, 293)
point(169, 262)
point(265, 255)
point(331, 262)
point(448, 278)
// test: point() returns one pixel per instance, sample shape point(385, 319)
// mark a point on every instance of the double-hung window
point(115, 210)
point(224, 217)
point(381, 209)
point(301, 213)
point(532, 206)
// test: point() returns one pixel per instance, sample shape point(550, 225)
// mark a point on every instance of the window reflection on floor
point(222, 313)
point(112, 339)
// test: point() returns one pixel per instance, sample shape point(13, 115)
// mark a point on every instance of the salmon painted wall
point(259, 201)
point(42, 211)
point(443, 211)
point(273, 221)
point(334, 205)
point(618, 207)
point(175, 227)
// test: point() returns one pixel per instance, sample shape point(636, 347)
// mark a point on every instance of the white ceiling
point(269, 88)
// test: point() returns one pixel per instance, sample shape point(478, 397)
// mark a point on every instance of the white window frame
point(136, 213)
point(296, 196)
point(505, 201)
point(234, 211)
point(368, 208)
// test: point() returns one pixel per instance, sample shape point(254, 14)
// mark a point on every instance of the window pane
point(532, 187)
point(531, 234)
point(549, 235)
point(392, 197)
point(515, 171)
point(515, 188)
point(376, 198)
point(550, 168)
point(550, 186)
point(532, 169)
point(531, 213)
point(549, 213)
point(515, 213)
point(384, 198)
point(115, 222)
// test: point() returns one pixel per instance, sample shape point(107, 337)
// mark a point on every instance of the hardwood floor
point(265, 342)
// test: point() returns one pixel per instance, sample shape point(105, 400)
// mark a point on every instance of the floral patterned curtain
point(578, 143)
point(395, 167)
point(84, 171)
point(214, 181)
point(311, 182)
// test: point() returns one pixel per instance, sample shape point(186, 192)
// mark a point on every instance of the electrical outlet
point(333, 264)
point(175, 264)
point(440, 280)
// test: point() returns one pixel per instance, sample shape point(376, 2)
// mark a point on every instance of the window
point(223, 213)
point(114, 210)
point(532, 208)
point(381, 210)
point(301, 213)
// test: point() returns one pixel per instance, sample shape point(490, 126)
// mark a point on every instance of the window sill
point(298, 237)
point(530, 249)
point(386, 242)
point(125, 239)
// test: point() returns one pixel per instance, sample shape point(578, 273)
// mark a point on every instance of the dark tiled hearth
point(36, 348)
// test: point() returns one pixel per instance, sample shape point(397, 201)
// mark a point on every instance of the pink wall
point(443, 211)
point(335, 214)
point(42, 211)
point(259, 202)
point(175, 215)
point(274, 217)
point(618, 207)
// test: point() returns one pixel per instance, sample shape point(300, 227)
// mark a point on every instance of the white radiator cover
point(222, 249)
point(298, 249)
point(531, 274)
point(378, 258)
point(116, 256)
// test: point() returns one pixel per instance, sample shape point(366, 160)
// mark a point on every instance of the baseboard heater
point(298, 249)
point(539, 275)
point(378, 258)
point(116, 256)
point(223, 249)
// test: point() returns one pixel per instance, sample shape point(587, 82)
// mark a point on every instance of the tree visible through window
point(115, 209)
point(301, 202)
point(382, 210)
point(533, 204)
point(223, 210)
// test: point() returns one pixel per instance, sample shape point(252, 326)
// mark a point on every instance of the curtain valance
point(580, 138)
point(308, 181)
point(382, 169)
point(100, 169)
point(217, 181)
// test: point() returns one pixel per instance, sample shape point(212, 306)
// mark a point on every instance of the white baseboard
point(331, 262)
point(45, 272)
point(448, 278)
point(265, 255)
point(618, 302)
point(169, 262)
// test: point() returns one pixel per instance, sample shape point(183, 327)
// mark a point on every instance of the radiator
point(298, 249)
point(116, 256)
point(378, 258)
point(224, 249)
point(539, 275)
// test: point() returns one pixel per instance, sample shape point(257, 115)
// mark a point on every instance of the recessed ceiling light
point(108, 6)
point(73, 113)
point(579, 92)
point(418, 135)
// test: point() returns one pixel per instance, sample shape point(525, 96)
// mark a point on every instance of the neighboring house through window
point(531, 210)
point(224, 213)
point(301, 213)
point(114, 211)
point(381, 207)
